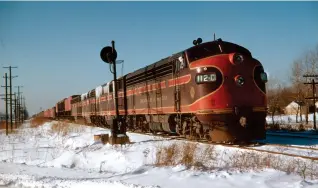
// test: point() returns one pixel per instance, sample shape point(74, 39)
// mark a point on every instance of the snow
point(290, 119)
point(41, 157)
point(98, 91)
point(106, 87)
point(84, 95)
point(33, 176)
point(150, 177)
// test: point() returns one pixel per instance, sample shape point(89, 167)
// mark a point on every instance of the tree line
point(279, 95)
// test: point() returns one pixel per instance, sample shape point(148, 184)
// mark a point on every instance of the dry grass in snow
point(38, 121)
point(207, 157)
point(63, 128)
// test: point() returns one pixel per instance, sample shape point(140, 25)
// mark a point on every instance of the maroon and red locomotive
point(214, 90)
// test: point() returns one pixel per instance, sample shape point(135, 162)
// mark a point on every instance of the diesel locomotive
point(213, 90)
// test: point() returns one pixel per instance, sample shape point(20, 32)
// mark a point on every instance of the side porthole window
point(260, 78)
point(264, 77)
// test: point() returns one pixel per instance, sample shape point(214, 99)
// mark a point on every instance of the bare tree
point(307, 63)
point(311, 58)
point(298, 70)
point(274, 88)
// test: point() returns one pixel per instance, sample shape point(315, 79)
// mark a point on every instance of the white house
point(293, 107)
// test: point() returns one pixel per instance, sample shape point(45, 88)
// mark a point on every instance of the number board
point(205, 78)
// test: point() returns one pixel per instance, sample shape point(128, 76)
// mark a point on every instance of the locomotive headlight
point(236, 58)
point(264, 77)
point(239, 80)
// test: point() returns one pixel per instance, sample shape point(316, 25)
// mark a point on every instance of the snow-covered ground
point(40, 157)
point(291, 119)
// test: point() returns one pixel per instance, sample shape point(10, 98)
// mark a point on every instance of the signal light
point(108, 54)
point(236, 58)
point(239, 80)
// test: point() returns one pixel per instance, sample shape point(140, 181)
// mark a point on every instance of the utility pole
point(15, 109)
point(6, 100)
point(115, 82)
point(19, 103)
point(23, 106)
point(21, 110)
point(10, 76)
point(313, 97)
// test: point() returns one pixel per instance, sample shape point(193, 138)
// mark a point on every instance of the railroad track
point(294, 135)
point(246, 146)
point(291, 146)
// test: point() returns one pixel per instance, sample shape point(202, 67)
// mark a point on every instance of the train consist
point(213, 90)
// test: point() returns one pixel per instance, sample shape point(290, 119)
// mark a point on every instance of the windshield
point(214, 48)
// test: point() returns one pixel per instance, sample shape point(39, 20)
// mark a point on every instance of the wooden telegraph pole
point(23, 108)
point(11, 94)
point(19, 96)
point(15, 109)
point(313, 97)
point(6, 100)
point(109, 55)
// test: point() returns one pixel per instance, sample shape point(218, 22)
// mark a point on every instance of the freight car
point(63, 109)
point(40, 114)
point(50, 113)
point(214, 90)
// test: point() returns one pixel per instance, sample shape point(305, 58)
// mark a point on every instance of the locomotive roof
point(61, 101)
point(227, 47)
point(153, 65)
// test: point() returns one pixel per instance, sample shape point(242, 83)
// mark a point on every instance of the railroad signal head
point(107, 54)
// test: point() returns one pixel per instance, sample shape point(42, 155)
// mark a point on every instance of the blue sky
point(56, 45)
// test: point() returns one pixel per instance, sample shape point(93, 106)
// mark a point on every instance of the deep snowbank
point(40, 156)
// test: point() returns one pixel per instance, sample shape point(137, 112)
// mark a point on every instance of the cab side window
point(180, 64)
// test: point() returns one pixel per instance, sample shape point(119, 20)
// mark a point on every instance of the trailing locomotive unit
point(214, 90)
